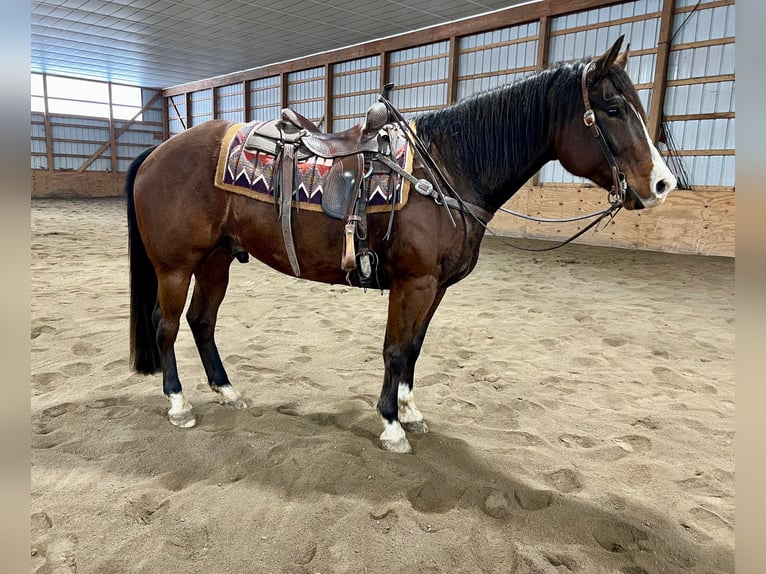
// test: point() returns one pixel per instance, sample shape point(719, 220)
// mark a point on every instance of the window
point(90, 98)
point(38, 101)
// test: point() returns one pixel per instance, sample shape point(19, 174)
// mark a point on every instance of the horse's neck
point(496, 142)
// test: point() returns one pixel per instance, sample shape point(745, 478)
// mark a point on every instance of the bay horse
point(484, 147)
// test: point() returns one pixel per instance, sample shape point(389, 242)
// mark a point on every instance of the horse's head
point(624, 146)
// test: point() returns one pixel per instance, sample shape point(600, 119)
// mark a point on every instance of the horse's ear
point(622, 57)
point(604, 63)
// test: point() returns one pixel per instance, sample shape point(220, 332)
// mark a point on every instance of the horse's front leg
point(410, 308)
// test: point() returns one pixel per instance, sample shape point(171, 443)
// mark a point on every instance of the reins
point(616, 195)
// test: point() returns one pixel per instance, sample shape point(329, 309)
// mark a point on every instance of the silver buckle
point(589, 118)
point(424, 187)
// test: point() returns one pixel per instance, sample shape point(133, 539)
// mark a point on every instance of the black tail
point(144, 353)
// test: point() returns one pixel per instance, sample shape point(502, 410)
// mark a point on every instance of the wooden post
point(245, 101)
point(283, 90)
point(661, 70)
point(384, 71)
point(543, 48)
point(543, 42)
point(47, 120)
point(187, 104)
point(453, 69)
point(165, 119)
point(328, 97)
point(112, 138)
point(214, 103)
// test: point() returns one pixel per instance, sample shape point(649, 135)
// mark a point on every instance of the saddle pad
point(250, 173)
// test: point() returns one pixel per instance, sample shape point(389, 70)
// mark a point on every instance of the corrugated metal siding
point(420, 77)
point(490, 59)
point(201, 104)
point(265, 97)
point(176, 114)
point(74, 139)
point(355, 86)
point(230, 103)
point(689, 96)
point(154, 113)
point(592, 32)
point(306, 92)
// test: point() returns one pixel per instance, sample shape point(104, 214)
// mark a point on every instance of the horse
point(482, 149)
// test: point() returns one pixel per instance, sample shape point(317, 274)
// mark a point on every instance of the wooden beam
point(661, 70)
point(607, 24)
point(701, 80)
point(118, 133)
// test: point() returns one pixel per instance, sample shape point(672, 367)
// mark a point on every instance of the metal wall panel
point(420, 76)
point(589, 37)
point(306, 92)
point(265, 97)
point(201, 103)
point(154, 113)
point(490, 59)
point(38, 130)
point(176, 114)
point(690, 95)
point(355, 86)
point(230, 102)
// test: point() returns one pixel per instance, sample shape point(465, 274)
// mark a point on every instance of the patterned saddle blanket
point(251, 173)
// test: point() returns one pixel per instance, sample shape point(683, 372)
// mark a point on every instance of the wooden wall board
point(699, 222)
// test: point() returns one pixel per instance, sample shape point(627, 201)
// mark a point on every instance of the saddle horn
point(377, 115)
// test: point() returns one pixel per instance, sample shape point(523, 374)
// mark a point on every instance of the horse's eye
point(613, 112)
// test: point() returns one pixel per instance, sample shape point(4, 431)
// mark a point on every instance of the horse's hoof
point(183, 419)
point(229, 398)
point(237, 404)
point(401, 446)
point(416, 427)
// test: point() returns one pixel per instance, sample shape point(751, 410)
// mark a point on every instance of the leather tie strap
point(285, 208)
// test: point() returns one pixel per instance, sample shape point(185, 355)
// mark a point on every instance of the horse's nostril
point(661, 186)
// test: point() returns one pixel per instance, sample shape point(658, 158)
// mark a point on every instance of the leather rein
point(617, 193)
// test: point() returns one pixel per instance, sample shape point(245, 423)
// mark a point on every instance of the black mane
point(505, 132)
point(505, 127)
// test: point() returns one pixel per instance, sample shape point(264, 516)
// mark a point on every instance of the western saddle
point(354, 154)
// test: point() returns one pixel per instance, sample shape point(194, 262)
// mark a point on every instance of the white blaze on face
point(662, 179)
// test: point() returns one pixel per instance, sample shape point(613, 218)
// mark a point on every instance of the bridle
point(617, 194)
point(620, 187)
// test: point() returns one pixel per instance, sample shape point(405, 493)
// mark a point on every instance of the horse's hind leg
point(171, 297)
point(211, 279)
